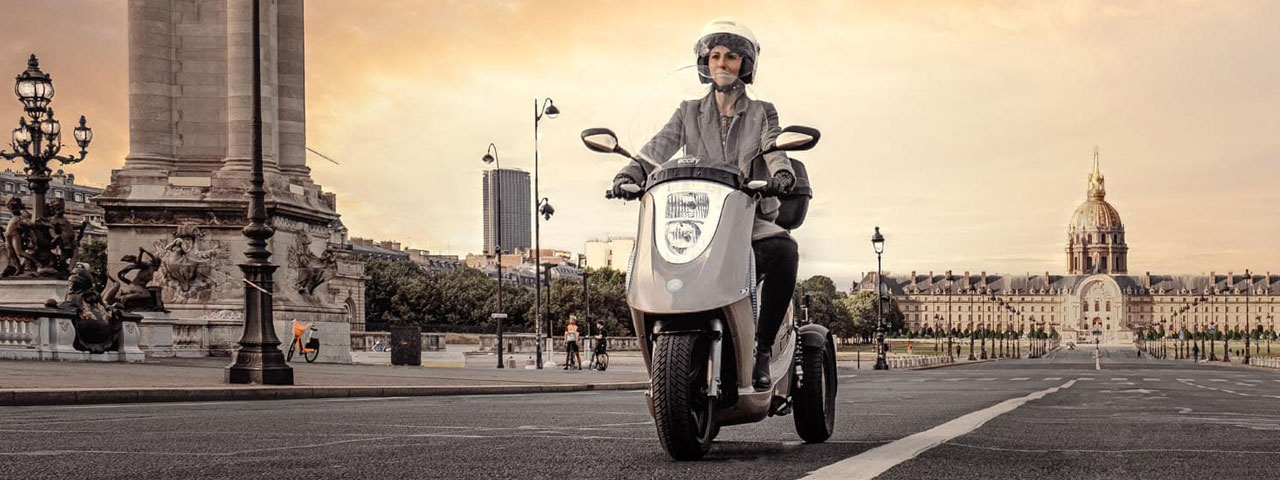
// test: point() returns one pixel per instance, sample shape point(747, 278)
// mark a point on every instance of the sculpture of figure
point(188, 271)
point(97, 325)
point(16, 243)
point(66, 238)
point(132, 293)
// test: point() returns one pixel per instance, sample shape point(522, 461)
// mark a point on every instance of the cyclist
point(572, 357)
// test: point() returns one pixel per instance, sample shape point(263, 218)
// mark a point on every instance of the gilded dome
point(1095, 214)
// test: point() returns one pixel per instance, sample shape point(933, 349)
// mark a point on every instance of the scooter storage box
point(795, 205)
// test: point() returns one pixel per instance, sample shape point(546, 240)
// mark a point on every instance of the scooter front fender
point(720, 276)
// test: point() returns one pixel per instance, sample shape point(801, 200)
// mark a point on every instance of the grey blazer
point(695, 127)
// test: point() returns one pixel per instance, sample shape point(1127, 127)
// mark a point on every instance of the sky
point(965, 130)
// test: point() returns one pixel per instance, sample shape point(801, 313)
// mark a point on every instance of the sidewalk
point(203, 379)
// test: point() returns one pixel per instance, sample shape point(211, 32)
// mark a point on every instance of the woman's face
point(724, 65)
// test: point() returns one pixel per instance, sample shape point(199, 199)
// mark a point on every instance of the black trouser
point(777, 259)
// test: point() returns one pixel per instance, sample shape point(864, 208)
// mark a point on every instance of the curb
point(88, 396)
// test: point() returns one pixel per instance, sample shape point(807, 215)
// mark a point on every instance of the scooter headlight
point(688, 213)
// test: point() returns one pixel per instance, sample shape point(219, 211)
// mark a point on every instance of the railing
point(48, 334)
point(18, 331)
point(524, 343)
point(364, 341)
point(1273, 362)
point(917, 362)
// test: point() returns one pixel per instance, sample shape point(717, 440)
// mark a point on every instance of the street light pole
point(1248, 334)
point(877, 243)
point(549, 109)
point(259, 359)
point(491, 156)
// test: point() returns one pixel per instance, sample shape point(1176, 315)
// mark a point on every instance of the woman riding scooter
point(727, 127)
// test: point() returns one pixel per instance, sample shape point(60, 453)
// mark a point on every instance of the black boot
point(760, 374)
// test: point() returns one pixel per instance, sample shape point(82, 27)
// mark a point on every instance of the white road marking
point(1119, 379)
point(1151, 379)
point(1019, 379)
point(1085, 379)
point(953, 379)
point(878, 460)
point(988, 379)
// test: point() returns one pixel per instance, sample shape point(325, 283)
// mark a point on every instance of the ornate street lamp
point(491, 156)
point(877, 243)
point(37, 141)
point(550, 111)
point(259, 359)
point(1247, 333)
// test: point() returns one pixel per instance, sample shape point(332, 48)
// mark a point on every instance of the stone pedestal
point(31, 293)
point(156, 334)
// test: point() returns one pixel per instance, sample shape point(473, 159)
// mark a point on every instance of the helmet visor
point(725, 58)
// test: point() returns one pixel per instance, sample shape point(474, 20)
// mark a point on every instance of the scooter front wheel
point(682, 409)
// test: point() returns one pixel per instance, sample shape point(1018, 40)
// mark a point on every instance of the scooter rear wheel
point(682, 409)
point(815, 399)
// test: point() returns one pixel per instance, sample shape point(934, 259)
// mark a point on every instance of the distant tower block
point(1095, 238)
point(182, 190)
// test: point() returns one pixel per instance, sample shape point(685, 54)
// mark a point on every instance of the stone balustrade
point(524, 343)
point(364, 341)
point(48, 334)
point(918, 361)
point(1273, 362)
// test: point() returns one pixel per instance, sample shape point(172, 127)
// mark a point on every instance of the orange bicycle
point(310, 349)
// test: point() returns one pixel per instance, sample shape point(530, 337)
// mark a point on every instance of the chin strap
point(730, 88)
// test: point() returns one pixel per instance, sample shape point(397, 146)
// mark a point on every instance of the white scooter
point(693, 294)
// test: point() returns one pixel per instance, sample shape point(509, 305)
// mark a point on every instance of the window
point(1108, 305)
point(79, 197)
point(1095, 306)
point(59, 194)
point(8, 187)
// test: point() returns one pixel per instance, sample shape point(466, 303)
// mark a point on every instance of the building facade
point(1096, 300)
point(78, 199)
point(612, 252)
point(510, 187)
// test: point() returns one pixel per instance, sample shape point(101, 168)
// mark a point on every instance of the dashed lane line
point(1019, 379)
point(878, 460)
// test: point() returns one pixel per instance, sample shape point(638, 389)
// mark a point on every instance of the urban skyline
point(1184, 129)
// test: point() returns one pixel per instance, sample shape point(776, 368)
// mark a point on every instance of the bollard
point(859, 356)
point(511, 362)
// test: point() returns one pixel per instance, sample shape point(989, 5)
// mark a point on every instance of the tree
point(94, 254)
point(826, 306)
point(862, 309)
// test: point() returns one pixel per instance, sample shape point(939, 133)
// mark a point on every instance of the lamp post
point(973, 327)
point(877, 243)
point(950, 332)
point(985, 331)
point(37, 143)
point(259, 359)
point(550, 111)
point(1247, 333)
point(546, 211)
point(491, 156)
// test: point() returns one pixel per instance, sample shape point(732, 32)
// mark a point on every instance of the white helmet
point(734, 35)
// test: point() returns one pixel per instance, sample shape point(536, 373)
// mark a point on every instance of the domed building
point(1095, 237)
point(1095, 301)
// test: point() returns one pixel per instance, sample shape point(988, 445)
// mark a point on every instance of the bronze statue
point(16, 243)
point(97, 324)
point(132, 293)
point(66, 238)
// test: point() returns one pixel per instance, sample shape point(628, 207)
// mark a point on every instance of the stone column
point(292, 82)
point(151, 115)
point(240, 86)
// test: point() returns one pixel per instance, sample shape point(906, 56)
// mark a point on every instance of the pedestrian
point(571, 344)
point(1195, 352)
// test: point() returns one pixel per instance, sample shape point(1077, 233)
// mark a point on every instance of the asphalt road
point(1134, 418)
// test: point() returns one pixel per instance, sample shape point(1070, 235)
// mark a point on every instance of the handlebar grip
point(608, 194)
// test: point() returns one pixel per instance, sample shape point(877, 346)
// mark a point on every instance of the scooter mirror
point(600, 140)
point(796, 138)
point(757, 185)
point(631, 188)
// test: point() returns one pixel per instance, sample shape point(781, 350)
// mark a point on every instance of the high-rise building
point(512, 186)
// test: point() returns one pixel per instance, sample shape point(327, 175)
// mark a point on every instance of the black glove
point(618, 192)
point(780, 184)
